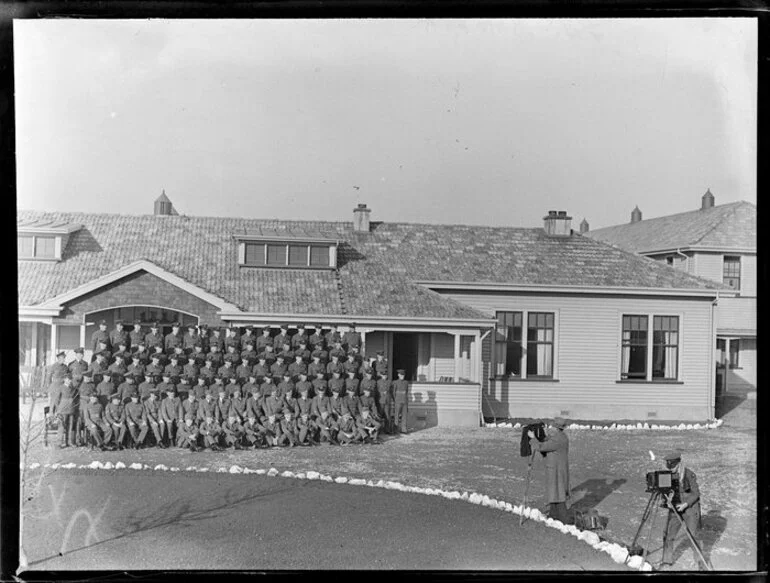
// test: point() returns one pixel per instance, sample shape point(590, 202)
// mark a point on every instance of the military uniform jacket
point(173, 370)
point(351, 339)
point(77, 368)
point(135, 369)
point(272, 406)
point(190, 340)
point(122, 356)
point(218, 341)
point(303, 406)
point(254, 407)
point(314, 368)
point(352, 385)
point(170, 408)
point(231, 387)
point(125, 390)
point(152, 410)
point(297, 368)
point(285, 388)
point(368, 404)
point(238, 408)
point(401, 390)
point(98, 367)
point(145, 389)
point(380, 367)
point(154, 369)
point(243, 371)
point(249, 355)
point(280, 340)
point(207, 372)
point(217, 359)
point(246, 338)
point(223, 409)
point(337, 405)
point(351, 405)
point(261, 342)
point(191, 369)
point(278, 368)
point(200, 391)
point(190, 408)
point(94, 413)
point(207, 408)
point(135, 337)
point(113, 414)
point(332, 337)
point(349, 365)
point(370, 384)
point(290, 405)
point(143, 354)
point(164, 387)
point(315, 339)
point(226, 372)
point(105, 389)
point(206, 428)
point(172, 341)
point(134, 412)
point(322, 355)
point(333, 367)
point(307, 385)
point(118, 336)
point(117, 367)
point(68, 400)
point(384, 390)
point(152, 340)
point(56, 372)
point(98, 337)
point(86, 389)
point(320, 404)
point(198, 356)
point(248, 389)
point(339, 353)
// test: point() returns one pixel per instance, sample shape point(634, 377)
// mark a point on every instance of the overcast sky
point(488, 122)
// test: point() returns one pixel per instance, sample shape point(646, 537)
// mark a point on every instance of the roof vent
point(707, 200)
point(557, 224)
point(163, 205)
point(636, 215)
point(583, 226)
point(361, 218)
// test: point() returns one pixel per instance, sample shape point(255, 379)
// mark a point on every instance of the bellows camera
point(663, 481)
point(538, 429)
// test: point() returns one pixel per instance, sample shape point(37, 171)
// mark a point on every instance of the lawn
point(607, 471)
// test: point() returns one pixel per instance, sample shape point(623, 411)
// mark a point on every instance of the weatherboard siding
point(587, 359)
point(433, 404)
point(744, 378)
point(736, 314)
point(443, 356)
point(708, 265)
point(748, 275)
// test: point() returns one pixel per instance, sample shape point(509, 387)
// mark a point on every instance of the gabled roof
point(376, 271)
point(727, 226)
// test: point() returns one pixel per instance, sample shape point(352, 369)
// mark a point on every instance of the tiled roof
point(727, 226)
point(375, 272)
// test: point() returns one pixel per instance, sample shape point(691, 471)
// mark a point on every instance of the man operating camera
point(555, 448)
point(686, 501)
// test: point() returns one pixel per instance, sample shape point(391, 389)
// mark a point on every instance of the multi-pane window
point(298, 255)
point(540, 344)
point(662, 348)
point(665, 347)
point(319, 256)
point(634, 348)
point(258, 254)
point(276, 254)
point(508, 344)
point(731, 272)
point(26, 246)
point(511, 346)
point(255, 254)
point(36, 247)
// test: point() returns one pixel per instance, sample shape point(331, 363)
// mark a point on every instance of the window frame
point(56, 241)
point(648, 378)
point(524, 376)
point(735, 275)
point(646, 319)
point(666, 345)
point(329, 249)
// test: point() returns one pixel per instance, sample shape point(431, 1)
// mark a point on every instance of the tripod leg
point(693, 542)
point(645, 516)
point(652, 524)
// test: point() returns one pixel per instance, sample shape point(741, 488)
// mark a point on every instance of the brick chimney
point(636, 215)
point(557, 224)
point(707, 200)
point(361, 218)
point(583, 226)
point(163, 205)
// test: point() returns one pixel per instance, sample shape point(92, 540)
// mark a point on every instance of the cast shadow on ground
point(591, 492)
point(181, 513)
point(713, 524)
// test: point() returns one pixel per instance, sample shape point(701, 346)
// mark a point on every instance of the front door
point(405, 354)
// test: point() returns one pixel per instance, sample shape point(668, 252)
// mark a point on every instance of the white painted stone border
point(714, 424)
point(618, 553)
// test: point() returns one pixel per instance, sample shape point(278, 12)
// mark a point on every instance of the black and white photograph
point(385, 294)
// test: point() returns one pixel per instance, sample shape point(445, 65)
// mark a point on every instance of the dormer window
point(43, 240)
point(300, 251)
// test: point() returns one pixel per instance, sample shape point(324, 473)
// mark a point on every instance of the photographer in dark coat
point(556, 450)
point(687, 504)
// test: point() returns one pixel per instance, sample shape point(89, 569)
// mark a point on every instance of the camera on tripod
point(662, 481)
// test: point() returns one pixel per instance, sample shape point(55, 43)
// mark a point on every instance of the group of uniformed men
point(238, 390)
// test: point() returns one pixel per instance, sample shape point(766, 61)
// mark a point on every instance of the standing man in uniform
point(686, 503)
point(67, 411)
point(101, 335)
point(118, 335)
point(282, 338)
point(401, 398)
point(86, 389)
point(136, 336)
point(190, 339)
point(351, 338)
point(135, 421)
point(264, 340)
point(316, 338)
point(77, 367)
point(153, 337)
point(172, 339)
point(556, 450)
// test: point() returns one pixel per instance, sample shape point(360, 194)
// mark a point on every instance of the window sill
point(646, 382)
point(527, 380)
point(56, 259)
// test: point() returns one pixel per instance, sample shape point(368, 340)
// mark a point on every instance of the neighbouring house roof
point(727, 226)
point(375, 274)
